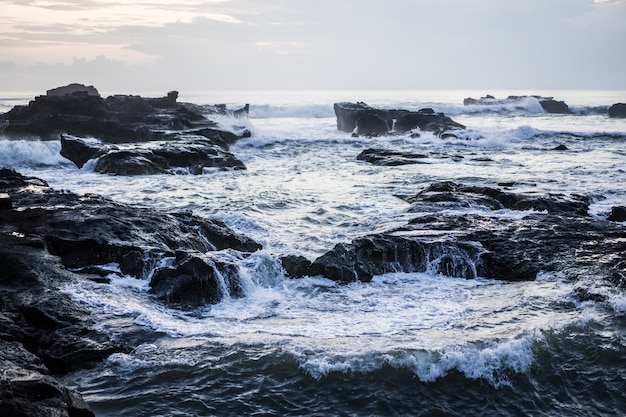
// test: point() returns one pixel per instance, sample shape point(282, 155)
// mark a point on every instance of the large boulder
point(364, 120)
point(193, 153)
point(196, 279)
point(617, 110)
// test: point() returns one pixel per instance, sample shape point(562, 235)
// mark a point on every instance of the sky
point(159, 45)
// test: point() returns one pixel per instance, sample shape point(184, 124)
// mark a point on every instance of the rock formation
point(364, 120)
point(50, 239)
point(548, 104)
point(617, 110)
point(555, 235)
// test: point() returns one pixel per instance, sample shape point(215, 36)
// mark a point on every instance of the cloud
point(325, 43)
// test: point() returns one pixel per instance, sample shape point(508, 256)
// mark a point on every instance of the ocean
point(405, 344)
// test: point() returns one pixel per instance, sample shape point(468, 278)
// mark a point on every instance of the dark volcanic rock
point(553, 106)
point(617, 110)
point(548, 104)
point(48, 240)
point(618, 214)
point(196, 279)
point(116, 119)
point(385, 157)
point(560, 236)
point(368, 121)
point(191, 152)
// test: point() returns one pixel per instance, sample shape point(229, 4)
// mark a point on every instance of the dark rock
point(560, 236)
point(548, 104)
point(370, 124)
point(74, 88)
point(560, 148)
point(467, 196)
point(400, 121)
point(116, 119)
point(618, 214)
point(195, 280)
point(80, 151)
point(190, 152)
point(617, 110)
point(296, 266)
point(51, 240)
point(5, 202)
point(553, 106)
point(385, 157)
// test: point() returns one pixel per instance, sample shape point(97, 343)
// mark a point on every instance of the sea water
point(403, 344)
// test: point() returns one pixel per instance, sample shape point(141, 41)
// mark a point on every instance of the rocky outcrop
point(363, 120)
point(555, 107)
point(548, 104)
point(115, 119)
point(384, 157)
point(193, 153)
point(73, 88)
point(617, 110)
point(556, 234)
point(51, 239)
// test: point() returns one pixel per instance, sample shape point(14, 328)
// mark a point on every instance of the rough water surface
point(418, 343)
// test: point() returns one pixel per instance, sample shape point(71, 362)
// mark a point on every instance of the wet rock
point(296, 266)
point(375, 121)
point(554, 106)
point(617, 110)
point(618, 214)
point(384, 157)
point(557, 236)
point(560, 148)
point(196, 279)
point(468, 196)
point(193, 153)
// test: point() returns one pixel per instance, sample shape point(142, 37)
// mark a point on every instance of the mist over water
point(404, 344)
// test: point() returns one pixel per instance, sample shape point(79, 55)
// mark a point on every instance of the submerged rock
point(368, 121)
point(384, 157)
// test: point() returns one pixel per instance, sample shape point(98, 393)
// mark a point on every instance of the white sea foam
point(29, 153)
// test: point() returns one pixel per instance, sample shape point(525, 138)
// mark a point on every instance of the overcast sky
point(156, 45)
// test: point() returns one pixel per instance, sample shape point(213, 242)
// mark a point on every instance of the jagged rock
point(51, 239)
point(368, 121)
point(548, 104)
point(553, 106)
point(559, 235)
point(116, 119)
point(74, 88)
point(193, 153)
point(383, 157)
point(617, 110)
point(195, 280)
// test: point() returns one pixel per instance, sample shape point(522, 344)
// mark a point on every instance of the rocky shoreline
point(49, 239)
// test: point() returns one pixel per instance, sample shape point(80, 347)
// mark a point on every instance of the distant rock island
point(548, 104)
